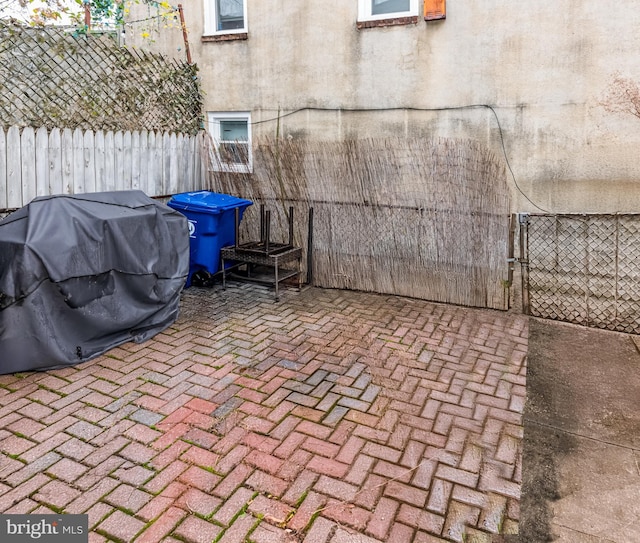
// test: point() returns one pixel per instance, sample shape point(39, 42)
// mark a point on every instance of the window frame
point(211, 20)
point(365, 9)
point(213, 126)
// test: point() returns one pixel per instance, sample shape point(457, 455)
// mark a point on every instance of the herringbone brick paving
point(331, 416)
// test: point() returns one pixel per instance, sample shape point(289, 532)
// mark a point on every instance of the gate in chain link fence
point(583, 269)
point(53, 77)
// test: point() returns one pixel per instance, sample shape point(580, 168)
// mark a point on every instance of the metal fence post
point(523, 219)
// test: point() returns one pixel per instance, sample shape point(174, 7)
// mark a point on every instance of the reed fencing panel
point(41, 162)
point(582, 269)
point(425, 219)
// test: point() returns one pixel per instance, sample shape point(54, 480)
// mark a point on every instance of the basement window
point(225, 17)
point(381, 10)
point(231, 133)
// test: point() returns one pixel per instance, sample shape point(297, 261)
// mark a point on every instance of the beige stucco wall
point(543, 66)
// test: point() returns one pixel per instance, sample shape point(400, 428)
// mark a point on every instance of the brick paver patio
point(331, 416)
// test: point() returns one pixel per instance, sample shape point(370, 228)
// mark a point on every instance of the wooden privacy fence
point(406, 216)
point(582, 269)
point(42, 162)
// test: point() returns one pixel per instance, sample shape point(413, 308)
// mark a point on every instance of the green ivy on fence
point(57, 78)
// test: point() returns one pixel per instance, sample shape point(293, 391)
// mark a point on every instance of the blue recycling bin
point(212, 221)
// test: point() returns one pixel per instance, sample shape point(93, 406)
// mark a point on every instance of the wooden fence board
point(186, 168)
point(41, 157)
point(28, 164)
point(109, 162)
point(66, 145)
point(155, 164)
point(166, 162)
point(201, 152)
point(55, 163)
point(135, 160)
point(180, 163)
point(89, 154)
point(14, 169)
point(126, 159)
point(78, 162)
point(145, 181)
point(100, 159)
point(119, 160)
point(173, 164)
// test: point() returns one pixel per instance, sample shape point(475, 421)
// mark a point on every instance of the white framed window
point(231, 133)
point(225, 17)
point(374, 10)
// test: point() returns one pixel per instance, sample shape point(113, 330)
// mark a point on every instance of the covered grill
point(82, 274)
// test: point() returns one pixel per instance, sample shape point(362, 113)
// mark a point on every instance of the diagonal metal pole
point(184, 33)
point(87, 15)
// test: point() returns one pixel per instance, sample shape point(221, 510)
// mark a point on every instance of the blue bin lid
point(205, 200)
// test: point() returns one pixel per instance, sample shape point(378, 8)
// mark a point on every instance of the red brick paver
point(331, 416)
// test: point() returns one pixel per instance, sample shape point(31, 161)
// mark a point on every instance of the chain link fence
point(583, 269)
point(59, 78)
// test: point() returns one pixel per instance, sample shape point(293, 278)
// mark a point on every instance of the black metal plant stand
point(275, 257)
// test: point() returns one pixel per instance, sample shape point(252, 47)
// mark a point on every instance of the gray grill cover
point(82, 274)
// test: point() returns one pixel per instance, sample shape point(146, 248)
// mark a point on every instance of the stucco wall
point(543, 66)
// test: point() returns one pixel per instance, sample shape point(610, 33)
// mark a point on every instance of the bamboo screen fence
point(425, 219)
